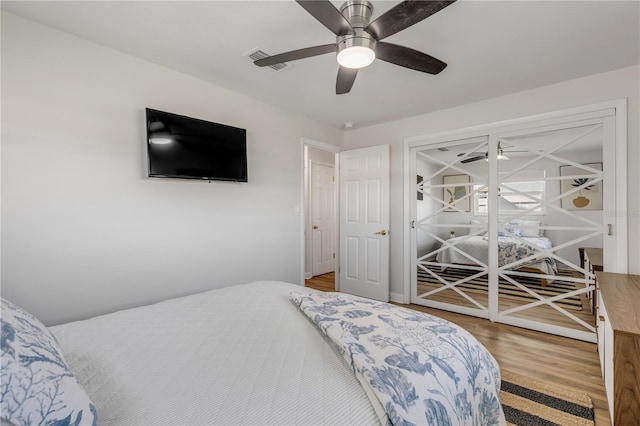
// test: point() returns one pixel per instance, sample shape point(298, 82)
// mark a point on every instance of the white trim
point(408, 246)
point(496, 125)
point(474, 312)
point(587, 336)
point(397, 298)
point(493, 180)
point(621, 147)
point(321, 145)
point(304, 143)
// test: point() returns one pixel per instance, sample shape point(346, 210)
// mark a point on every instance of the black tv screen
point(189, 148)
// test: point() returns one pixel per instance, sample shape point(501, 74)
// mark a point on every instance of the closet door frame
point(616, 109)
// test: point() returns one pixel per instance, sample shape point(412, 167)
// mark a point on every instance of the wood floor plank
point(568, 363)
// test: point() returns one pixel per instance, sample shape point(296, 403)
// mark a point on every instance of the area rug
point(528, 402)
point(508, 290)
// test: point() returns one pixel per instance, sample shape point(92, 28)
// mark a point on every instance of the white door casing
point(364, 222)
point(322, 233)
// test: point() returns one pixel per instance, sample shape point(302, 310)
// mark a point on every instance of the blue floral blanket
point(416, 368)
point(512, 249)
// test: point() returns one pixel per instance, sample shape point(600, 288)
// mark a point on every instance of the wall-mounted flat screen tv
point(189, 148)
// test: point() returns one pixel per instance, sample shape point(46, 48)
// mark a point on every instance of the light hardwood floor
point(571, 364)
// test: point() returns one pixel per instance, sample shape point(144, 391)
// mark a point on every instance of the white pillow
point(510, 229)
point(531, 228)
point(37, 385)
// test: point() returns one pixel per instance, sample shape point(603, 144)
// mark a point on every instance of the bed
point(261, 353)
point(510, 249)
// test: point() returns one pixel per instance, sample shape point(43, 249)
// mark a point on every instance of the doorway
point(320, 211)
point(361, 217)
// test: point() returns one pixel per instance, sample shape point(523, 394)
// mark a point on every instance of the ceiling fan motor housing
point(358, 13)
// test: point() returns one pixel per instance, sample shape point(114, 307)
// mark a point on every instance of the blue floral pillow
point(37, 386)
point(513, 228)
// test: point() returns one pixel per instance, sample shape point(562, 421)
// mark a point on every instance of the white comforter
point(237, 355)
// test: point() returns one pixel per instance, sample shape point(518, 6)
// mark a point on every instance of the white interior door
point(364, 222)
point(322, 233)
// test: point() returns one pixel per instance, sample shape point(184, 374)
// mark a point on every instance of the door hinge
point(413, 224)
point(334, 178)
point(334, 255)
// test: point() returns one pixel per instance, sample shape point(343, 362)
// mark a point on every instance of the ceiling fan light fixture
point(501, 156)
point(356, 57)
point(357, 50)
point(358, 39)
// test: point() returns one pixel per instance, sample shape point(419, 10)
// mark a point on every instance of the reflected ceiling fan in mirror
point(476, 156)
point(358, 41)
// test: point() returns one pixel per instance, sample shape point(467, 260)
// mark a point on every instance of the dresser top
point(621, 296)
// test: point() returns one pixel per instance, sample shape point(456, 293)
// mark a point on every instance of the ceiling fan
point(358, 41)
point(475, 156)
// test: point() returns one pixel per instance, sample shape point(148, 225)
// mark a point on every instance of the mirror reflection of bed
point(460, 259)
point(520, 241)
point(540, 228)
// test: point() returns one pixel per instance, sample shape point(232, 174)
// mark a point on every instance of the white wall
point(622, 83)
point(84, 230)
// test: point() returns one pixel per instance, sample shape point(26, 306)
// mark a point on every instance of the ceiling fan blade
point(472, 159)
point(409, 58)
point(345, 80)
point(325, 12)
point(403, 16)
point(471, 153)
point(294, 55)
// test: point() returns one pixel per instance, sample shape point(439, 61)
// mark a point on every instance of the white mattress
point(237, 355)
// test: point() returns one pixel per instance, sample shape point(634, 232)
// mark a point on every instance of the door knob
point(315, 226)
point(383, 232)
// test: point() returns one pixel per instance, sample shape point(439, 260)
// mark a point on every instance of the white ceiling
point(492, 48)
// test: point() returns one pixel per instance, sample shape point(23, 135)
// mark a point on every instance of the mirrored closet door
point(501, 219)
point(449, 178)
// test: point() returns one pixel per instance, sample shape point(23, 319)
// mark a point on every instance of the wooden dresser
point(618, 315)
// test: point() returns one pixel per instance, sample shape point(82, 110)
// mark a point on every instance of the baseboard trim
point(308, 275)
point(396, 297)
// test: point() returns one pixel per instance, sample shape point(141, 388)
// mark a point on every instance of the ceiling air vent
point(257, 53)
